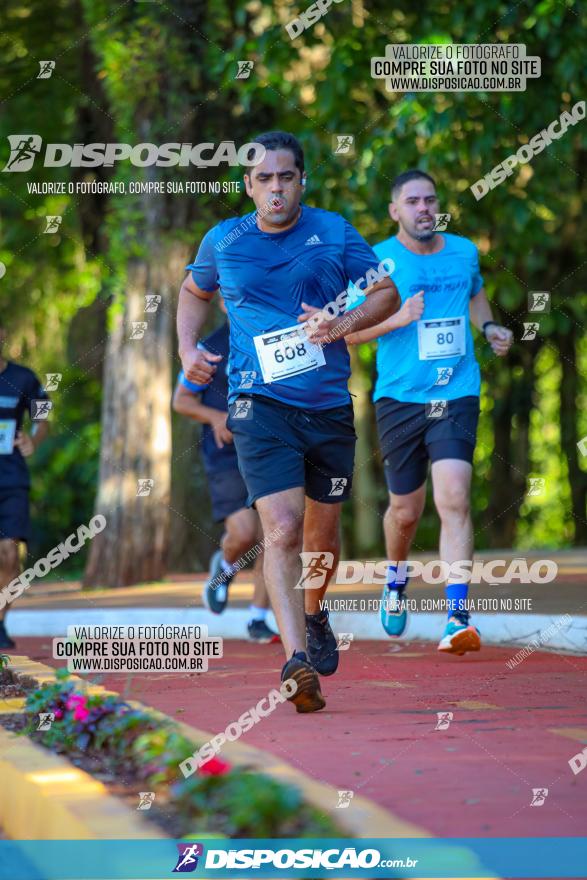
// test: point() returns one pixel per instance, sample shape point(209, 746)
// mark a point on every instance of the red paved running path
point(512, 730)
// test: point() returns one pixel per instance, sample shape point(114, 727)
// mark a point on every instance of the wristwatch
point(486, 325)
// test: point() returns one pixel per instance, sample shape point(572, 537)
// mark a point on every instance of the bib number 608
point(289, 353)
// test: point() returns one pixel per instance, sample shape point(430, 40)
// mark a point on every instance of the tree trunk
point(510, 460)
point(134, 483)
point(367, 533)
point(569, 396)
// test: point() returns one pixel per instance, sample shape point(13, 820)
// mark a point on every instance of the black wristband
point(486, 325)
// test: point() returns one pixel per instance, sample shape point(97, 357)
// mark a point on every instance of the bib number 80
point(289, 354)
point(442, 338)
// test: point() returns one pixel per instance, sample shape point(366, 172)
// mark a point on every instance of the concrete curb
point(364, 820)
point(515, 630)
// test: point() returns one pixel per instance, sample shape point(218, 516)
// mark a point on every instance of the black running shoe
point(5, 640)
point(215, 592)
point(321, 643)
point(308, 697)
point(262, 634)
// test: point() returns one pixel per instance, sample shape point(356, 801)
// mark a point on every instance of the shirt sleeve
point(34, 391)
point(476, 276)
point(204, 268)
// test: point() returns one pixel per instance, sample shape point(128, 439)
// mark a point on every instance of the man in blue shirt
point(208, 404)
point(427, 395)
point(19, 389)
point(280, 267)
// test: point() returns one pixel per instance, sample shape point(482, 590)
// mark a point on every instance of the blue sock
point(456, 595)
point(393, 582)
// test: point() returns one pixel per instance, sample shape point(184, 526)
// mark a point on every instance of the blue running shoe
point(215, 592)
point(394, 615)
point(459, 636)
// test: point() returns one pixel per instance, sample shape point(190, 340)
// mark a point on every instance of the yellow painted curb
point(50, 799)
point(362, 818)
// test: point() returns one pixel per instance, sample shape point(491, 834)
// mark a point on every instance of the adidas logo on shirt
point(313, 240)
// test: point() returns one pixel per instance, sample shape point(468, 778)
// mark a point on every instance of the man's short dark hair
point(279, 140)
point(405, 177)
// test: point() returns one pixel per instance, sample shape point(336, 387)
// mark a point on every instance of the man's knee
point(453, 500)
point(404, 513)
point(9, 558)
point(286, 531)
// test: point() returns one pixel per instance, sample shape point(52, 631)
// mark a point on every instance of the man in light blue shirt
point(427, 396)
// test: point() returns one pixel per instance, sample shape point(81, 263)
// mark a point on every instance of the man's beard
point(423, 236)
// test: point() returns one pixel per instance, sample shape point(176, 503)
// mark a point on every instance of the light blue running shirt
point(433, 358)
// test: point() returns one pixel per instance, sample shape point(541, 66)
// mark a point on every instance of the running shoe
point(394, 615)
point(321, 643)
point(262, 634)
point(215, 592)
point(308, 697)
point(459, 636)
point(5, 640)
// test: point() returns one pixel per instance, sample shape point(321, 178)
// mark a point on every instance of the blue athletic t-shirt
point(418, 364)
point(265, 277)
point(215, 395)
point(18, 388)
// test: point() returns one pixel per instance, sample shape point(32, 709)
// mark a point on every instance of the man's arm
point(382, 300)
point(500, 338)
point(29, 443)
point(192, 311)
point(411, 310)
point(189, 404)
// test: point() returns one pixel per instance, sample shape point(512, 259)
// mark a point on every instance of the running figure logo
point(536, 486)
point(338, 485)
point(187, 860)
point(539, 795)
point(444, 719)
point(247, 378)
point(437, 409)
point(441, 222)
point(138, 329)
point(538, 301)
point(152, 301)
point(244, 70)
point(243, 409)
point(444, 374)
point(46, 68)
point(315, 567)
point(530, 331)
point(582, 446)
point(46, 719)
point(144, 487)
point(53, 223)
point(343, 144)
point(53, 380)
point(146, 799)
point(344, 641)
point(344, 799)
point(24, 148)
point(40, 410)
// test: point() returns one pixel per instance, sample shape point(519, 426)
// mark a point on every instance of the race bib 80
point(441, 338)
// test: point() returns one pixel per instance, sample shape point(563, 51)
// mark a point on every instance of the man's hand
point(412, 310)
point(221, 433)
point(319, 328)
point(499, 338)
point(199, 365)
point(25, 443)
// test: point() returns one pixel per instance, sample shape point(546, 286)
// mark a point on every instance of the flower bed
point(129, 749)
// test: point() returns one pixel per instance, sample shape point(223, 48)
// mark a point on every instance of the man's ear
point(248, 187)
point(393, 211)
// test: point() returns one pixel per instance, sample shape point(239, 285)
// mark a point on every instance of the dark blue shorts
point(14, 514)
point(282, 447)
point(409, 438)
point(227, 492)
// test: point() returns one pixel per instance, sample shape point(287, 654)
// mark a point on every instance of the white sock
point(226, 566)
point(257, 613)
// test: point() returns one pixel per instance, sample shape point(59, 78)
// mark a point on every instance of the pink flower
point(77, 702)
point(81, 714)
point(58, 714)
point(214, 767)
